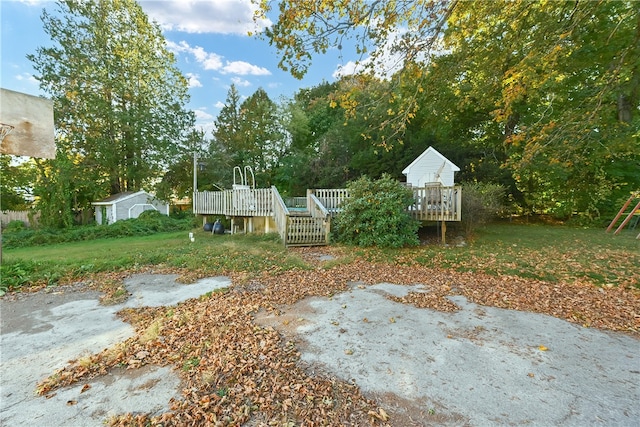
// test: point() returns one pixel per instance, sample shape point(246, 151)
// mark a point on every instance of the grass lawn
point(550, 253)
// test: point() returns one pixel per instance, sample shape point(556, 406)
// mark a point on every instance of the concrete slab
point(41, 333)
point(479, 366)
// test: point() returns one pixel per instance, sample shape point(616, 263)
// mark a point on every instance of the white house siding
point(424, 169)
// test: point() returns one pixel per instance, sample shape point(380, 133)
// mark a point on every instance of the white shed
point(127, 205)
point(430, 168)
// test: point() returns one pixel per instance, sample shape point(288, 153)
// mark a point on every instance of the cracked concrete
point(40, 333)
point(477, 366)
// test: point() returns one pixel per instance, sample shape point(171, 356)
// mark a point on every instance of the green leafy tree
point(560, 83)
point(118, 97)
point(16, 180)
point(248, 133)
point(376, 214)
point(263, 141)
point(546, 91)
point(227, 136)
point(178, 179)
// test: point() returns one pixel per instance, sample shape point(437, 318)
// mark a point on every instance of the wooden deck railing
point(330, 198)
point(280, 214)
point(249, 202)
point(431, 204)
point(436, 203)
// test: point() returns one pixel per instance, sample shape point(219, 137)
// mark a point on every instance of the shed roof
point(119, 197)
point(424, 154)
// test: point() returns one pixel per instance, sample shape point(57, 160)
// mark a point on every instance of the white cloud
point(33, 2)
point(193, 80)
point(27, 77)
point(204, 120)
point(213, 61)
point(219, 104)
point(243, 68)
point(201, 114)
point(205, 16)
point(208, 60)
point(388, 60)
point(347, 69)
point(241, 82)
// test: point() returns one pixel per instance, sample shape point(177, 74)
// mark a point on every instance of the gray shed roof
point(118, 198)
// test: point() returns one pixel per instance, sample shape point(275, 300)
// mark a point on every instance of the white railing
point(280, 214)
point(436, 203)
point(316, 208)
point(432, 203)
point(239, 202)
point(331, 198)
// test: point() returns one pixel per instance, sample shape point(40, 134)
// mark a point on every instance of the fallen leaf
point(85, 388)
point(542, 348)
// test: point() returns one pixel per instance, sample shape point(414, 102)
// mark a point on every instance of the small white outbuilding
point(127, 205)
point(431, 168)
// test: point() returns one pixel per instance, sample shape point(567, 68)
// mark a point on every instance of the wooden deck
point(306, 221)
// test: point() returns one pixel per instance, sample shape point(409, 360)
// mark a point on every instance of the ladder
point(634, 211)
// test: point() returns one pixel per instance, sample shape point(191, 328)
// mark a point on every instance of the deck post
point(327, 229)
point(444, 232)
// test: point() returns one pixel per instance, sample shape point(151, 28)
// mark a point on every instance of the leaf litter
point(235, 372)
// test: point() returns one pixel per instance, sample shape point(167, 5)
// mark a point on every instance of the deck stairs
point(306, 226)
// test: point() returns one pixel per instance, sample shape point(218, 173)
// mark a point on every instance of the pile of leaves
point(235, 371)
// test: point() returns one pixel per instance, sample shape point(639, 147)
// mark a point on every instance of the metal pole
point(195, 172)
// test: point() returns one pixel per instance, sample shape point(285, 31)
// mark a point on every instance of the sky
point(208, 37)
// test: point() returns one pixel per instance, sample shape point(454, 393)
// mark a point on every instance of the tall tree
point(226, 136)
point(559, 81)
point(248, 133)
point(263, 138)
point(547, 90)
point(119, 99)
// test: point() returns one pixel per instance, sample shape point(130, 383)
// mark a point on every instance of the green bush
point(15, 225)
point(481, 202)
point(375, 215)
point(149, 222)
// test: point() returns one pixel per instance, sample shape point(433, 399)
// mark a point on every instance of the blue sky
point(209, 38)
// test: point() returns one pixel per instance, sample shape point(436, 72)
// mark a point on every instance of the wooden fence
point(7, 216)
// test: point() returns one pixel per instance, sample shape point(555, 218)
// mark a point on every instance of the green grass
point(545, 252)
point(209, 254)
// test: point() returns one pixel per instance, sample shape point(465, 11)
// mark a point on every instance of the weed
point(190, 363)
point(152, 332)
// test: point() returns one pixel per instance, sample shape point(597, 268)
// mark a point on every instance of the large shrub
point(481, 202)
point(376, 214)
point(149, 222)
